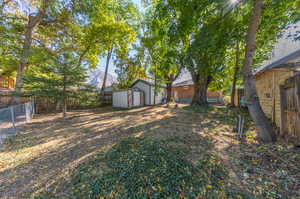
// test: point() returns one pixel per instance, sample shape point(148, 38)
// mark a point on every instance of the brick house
point(183, 92)
point(278, 89)
point(6, 82)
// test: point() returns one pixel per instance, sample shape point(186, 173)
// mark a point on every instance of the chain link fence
point(13, 118)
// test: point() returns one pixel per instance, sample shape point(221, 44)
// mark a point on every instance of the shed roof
point(145, 82)
point(281, 63)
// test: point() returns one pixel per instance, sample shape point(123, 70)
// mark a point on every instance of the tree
point(268, 19)
point(207, 52)
point(264, 128)
point(33, 21)
point(129, 69)
point(59, 79)
point(165, 53)
point(110, 31)
point(235, 74)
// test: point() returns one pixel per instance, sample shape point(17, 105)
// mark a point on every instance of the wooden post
point(282, 110)
point(241, 126)
point(274, 99)
point(13, 118)
point(297, 96)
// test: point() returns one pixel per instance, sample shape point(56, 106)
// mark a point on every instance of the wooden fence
point(90, 100)
point(6, 99)
point(48, 104)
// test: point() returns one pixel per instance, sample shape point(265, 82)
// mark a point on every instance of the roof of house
point(280, 63)
point(184, 83)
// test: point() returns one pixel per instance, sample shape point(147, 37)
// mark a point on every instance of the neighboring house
point(6, 83)
point(278, 88)
point(183, 92)
point(239, 98)
point(151, 98)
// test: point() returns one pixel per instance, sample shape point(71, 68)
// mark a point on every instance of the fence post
point(13, 118)
point(33, 108)
point(27, 111)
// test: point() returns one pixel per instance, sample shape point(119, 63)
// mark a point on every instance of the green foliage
point(206, 32)
point(110, 27)
point(164, 52)
point(58, 79)
point(128, 70)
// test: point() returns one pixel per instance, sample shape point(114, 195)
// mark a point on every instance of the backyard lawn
point(68, 158)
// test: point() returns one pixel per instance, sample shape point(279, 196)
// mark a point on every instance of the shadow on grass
point(78, 144)
point(223, 114)
point(149, 168)
point(38, 133)
point(88, 137)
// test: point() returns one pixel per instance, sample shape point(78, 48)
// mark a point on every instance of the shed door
point(291, 114)
point(142, 95)
point(136, 99)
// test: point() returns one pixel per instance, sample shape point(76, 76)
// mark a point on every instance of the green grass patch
point(138, 168)
point(224, 115)
point(200, 109)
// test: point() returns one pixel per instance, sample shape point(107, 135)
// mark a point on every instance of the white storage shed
point(128, 98)
point(148, 89)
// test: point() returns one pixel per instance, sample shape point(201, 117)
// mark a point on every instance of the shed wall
point(120, 99)
point(146, 89)
point(268, 91)
point(136, 98)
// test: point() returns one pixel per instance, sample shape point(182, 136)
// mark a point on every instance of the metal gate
point(290, 107)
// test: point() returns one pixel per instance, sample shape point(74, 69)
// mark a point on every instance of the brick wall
point(183, 92)
point(187, 92)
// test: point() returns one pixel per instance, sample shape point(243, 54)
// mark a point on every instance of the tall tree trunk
point(33, 21)
point(264, 128)
point(169, 92)
point(200, 89)
point(65, 105)
point(109, 54)
point(235, 74)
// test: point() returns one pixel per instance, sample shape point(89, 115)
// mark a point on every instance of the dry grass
point(50, 147)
